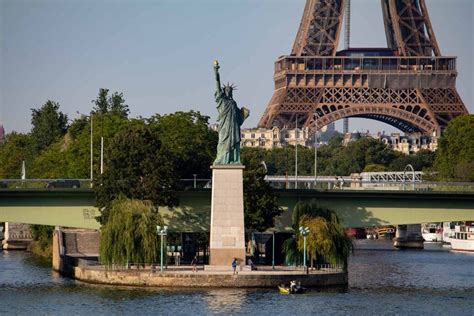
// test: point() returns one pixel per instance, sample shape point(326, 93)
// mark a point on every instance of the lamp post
point(273, 249)
point(161, 231)
point(315, 149)
point(195, 183)
point(304, 231)
point(296, 153)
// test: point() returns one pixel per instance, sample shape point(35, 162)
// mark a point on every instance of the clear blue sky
point(160, 53)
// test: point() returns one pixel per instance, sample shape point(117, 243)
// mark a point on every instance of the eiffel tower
point(407, 84)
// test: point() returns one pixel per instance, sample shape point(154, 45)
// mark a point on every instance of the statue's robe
point(230, 119)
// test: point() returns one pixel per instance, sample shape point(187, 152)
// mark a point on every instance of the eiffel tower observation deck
point(408, 84)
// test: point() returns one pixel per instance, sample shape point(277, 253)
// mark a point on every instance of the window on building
point(243, 135)
point(252, 135)
point(262, 135)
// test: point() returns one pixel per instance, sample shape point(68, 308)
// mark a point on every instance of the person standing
point(194, 263)
point(234, 265)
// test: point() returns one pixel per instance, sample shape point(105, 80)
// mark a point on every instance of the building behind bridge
point(280, 137)
point(408, 144)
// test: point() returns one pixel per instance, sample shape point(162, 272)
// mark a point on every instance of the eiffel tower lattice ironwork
point(410, 85)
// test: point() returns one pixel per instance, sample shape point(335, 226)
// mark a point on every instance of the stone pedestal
point(227, 216)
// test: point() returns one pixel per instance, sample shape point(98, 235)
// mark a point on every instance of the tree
point(327, 240)
point(138, 167)
point(117, 105)
point(15, 150)
point(114, 105)
point(422, 160)
point(260, 203)
point(455, 155)
point(375, 168)
point(190, 141)
point(129, 236)
point(101, 102)
point(49, 124)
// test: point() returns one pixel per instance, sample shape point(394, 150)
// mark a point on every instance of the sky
point(159, 54)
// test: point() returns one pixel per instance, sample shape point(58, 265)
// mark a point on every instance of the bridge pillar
point(408, 236)
point(17, 236)
point(227, 240)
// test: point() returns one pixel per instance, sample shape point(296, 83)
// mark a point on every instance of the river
point(382, 280)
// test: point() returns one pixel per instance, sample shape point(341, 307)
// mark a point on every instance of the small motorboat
point(292, 289)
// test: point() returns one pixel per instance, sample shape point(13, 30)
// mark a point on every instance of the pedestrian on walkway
point(234, 265)
point(194, 263)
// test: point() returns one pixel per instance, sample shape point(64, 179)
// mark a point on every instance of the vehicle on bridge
point(3, 184)
point(64, 183)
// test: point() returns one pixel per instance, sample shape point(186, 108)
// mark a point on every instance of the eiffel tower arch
point(407, 84)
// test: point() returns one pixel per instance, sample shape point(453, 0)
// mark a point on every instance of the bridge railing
point(326, 183)
point(44, 183)
point(346, 183)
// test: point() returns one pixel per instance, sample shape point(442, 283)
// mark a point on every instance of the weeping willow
point(129, 236)
point(327, 241)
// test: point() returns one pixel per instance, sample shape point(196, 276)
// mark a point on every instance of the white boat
point(432, 232)
point(463, 239)
point(448, 231)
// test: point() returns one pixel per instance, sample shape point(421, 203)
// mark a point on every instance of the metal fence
point(155, 267)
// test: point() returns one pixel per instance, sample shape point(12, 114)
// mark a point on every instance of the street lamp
point(161, 231)
point(315, 149)
point(304, 231)
point(296, 152)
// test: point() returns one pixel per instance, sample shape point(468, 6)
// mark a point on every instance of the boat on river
point(292, 289)
point(432, 232)
point(463, 239)
point(448, 232)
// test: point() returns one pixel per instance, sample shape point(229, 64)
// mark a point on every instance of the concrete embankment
point(205, 278)
point(74, 264)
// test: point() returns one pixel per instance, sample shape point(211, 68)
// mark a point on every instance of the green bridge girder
point(75, 207)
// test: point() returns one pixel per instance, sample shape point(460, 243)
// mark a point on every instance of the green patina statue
point(230, 119)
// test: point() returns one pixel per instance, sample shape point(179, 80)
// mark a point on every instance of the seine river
point(433, 281)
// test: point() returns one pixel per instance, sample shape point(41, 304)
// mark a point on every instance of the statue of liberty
point(230, 119)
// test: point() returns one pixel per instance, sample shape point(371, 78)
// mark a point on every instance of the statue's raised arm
point(218, 77)
point(230, 119)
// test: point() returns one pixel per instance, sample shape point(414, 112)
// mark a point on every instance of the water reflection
point(382, 280)
point(227, 300)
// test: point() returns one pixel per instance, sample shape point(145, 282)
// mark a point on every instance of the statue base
point(227, 240)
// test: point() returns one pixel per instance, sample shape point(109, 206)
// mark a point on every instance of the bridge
point(358, 208)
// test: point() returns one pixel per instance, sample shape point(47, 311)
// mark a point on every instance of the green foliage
point(375, 168)
point(42, 236)
point(49, 124)
point(138, 167)
point(333, 159)
point(455, 155)
point(260, 203)
point(327, 240)
point(17, 147)
point(129, 235)
point(39, 232)
point(188, 138)
point(113, 105)
point(422, 160)
point(51, 163)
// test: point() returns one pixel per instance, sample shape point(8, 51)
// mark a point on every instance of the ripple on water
point(381, 281)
